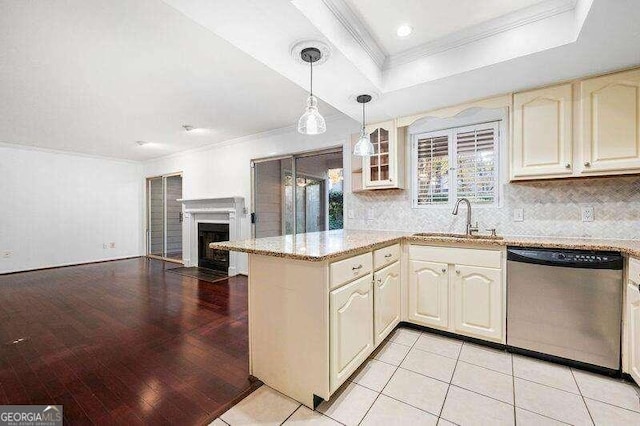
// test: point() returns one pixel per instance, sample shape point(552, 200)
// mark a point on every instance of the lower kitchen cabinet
point(477, 302)
point(429, 293)
point(459, 290)
point(351, 328)
point(387, 307)
point(633, 322)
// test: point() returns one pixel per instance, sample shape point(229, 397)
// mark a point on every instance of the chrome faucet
point(470, 228)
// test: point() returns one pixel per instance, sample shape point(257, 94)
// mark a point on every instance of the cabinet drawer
point(349, 269)
point(457, 256)
point(386, 256)
point(634, 270)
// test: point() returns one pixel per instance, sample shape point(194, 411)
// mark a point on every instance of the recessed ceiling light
point(404, 30)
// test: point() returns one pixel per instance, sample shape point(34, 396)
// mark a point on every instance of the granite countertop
point(320, 246)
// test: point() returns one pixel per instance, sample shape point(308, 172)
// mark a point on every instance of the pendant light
point(364, 147)
point(311, 122)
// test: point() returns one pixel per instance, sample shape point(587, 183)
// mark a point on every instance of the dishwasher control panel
point(570, 258)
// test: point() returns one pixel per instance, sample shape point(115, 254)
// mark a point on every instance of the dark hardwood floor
point(124, 342)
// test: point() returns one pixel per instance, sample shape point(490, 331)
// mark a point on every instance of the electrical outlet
point(104, 246)
point(371, 213)
point(587, 214)
point(6, 254)
point(351, 214)
point(518, 215)
point(112, 245)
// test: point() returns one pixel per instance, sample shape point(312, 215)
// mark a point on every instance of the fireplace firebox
point(217, 260)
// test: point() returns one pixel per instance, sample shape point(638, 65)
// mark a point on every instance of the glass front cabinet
point(384, 169)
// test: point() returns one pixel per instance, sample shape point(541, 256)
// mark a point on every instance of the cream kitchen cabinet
point(610, 123)
point(632, 323)
point(385, 168)
point(351, 328)
point(542, 133)
point(459, 290)
point(429, 293)
point(386, 299)
point(477, 302)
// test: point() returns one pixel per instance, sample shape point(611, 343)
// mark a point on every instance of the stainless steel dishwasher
point(566, 304)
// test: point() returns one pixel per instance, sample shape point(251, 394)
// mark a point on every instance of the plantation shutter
point(476, 152)
point(433, 169)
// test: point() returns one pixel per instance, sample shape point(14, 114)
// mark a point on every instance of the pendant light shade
point(311, 122)
point(364, 147)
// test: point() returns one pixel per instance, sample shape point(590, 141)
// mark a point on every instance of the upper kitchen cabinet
point(542, 133)
point(384, 169)
point(610, 124)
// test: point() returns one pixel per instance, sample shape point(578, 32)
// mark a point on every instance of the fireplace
point(209, 258)
point(203, 216)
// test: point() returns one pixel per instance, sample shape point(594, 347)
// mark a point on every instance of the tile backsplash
point(551, 208)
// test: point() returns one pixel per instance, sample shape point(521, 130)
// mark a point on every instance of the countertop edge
point(515, 241)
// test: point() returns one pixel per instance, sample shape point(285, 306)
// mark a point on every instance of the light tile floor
point(418, 378)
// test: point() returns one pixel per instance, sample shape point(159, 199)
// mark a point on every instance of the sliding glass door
point(164, 217)
point(298, 193)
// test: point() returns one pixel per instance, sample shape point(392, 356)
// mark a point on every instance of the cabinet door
point(380, 168)
point(351, 328)
point(429, 293)
point(542, 133)
point(633, 330)
point(386, 300)
point(478, 302)
point(611, 123)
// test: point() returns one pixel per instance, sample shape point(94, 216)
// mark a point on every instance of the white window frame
point(432, 126)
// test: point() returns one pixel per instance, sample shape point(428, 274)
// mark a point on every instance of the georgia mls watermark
point(30, 415)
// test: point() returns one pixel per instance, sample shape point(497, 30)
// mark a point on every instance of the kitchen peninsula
point(321, 303)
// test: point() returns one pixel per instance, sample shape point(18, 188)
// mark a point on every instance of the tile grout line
point(582, 396)
point(513, 381)
point(289, 416)
point(394, 372)
point(446, 394)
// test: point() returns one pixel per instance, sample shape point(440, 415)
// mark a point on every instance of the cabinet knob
point(567, 166)
point(587, 164)
point(444, 270)
point(458, 271)
point(388, 255)
point(356, 268)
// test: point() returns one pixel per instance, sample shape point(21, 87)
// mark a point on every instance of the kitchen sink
point(446, 235)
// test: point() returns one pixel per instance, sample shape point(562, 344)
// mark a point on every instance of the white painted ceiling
point(430, 19)
point(96, 76)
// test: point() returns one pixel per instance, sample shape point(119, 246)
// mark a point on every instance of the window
point(460, 162)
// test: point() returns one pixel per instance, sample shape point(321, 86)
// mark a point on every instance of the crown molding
point(242, 139)
point(68, 153)
point(483, 30)
point(358, 30)
point(361, 34)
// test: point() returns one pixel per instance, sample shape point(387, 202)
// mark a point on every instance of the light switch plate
point(587, 214)
point(518, 215)
point(370, 213)
point(351, 214)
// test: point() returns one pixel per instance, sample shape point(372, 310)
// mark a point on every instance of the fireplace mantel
point(210, 210)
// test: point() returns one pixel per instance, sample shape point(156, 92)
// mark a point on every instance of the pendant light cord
point(363, 116)
point(311, 85)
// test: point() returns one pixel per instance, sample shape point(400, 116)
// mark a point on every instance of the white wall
point(59, 208)
point(223, 170)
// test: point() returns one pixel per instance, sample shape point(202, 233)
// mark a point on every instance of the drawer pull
point(356, 268)
point(458, 272)
point(388, 255)
point(587, 164)
point(444, 270)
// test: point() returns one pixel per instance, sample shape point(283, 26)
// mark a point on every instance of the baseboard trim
point(67, 265)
